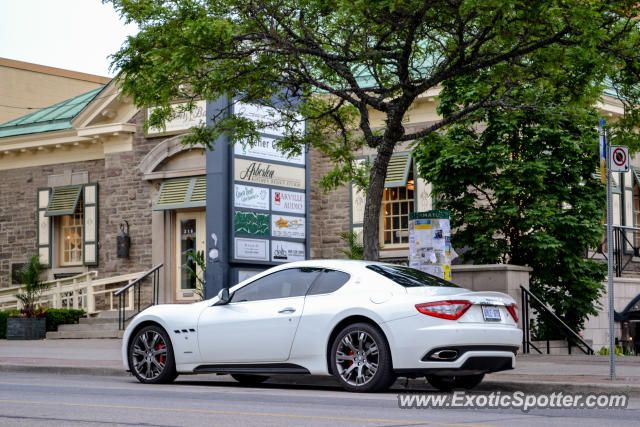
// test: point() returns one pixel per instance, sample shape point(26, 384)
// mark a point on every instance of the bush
point(62, 316)
point(3, 322)
point(54, 316)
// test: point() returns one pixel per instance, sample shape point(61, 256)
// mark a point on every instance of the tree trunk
point(371, 228)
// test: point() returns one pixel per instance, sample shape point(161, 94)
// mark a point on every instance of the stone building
point(73, 173)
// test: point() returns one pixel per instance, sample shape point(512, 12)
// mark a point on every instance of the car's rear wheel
point(249, 379)
point(449, 383)
point(361, 359)
point(151, 357)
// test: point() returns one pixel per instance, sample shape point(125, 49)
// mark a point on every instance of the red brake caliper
point(350, 354)
point(161, 358)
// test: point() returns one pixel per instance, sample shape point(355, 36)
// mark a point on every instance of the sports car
point(366, 323)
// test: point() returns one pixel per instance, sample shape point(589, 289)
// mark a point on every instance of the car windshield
point(410, 277)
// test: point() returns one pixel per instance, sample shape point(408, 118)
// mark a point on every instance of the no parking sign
point(619, 158)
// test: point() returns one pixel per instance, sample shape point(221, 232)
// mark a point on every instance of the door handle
point(287, 310)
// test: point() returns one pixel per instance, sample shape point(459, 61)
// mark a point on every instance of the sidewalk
point(534, 373)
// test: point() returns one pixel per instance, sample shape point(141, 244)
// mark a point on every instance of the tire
point(361, 359)
point(151, 358)
point(249, 379)
point(449, 383)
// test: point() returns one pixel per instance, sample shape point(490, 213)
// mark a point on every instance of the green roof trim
point(182, 193)
point(64, 200)
point(55, 117)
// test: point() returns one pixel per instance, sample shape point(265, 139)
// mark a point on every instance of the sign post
point(612, 351)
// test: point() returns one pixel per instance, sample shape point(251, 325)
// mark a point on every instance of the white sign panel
point(184, 121)
point(246, 196)
point(257, 172)
point(292, 227)
point(251, 249)
point(287, 201)
point(266, 149)
point(286, 251)
point(264, 115)
point(619, 158)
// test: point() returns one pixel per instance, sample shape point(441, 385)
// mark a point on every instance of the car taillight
point(513, 311)
point(451, 310)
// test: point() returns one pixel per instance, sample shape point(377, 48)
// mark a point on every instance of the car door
point(259, 323)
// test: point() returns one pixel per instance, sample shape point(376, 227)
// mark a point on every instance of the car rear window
point(410, 277)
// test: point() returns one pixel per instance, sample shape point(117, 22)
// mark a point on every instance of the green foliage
point(4, 315)
point(54, 316)
point(520, 188)
point(338, 63)
point(195, 262)
point(604, 351)
point(62, 316)
point(356, 249)
point(30, 276)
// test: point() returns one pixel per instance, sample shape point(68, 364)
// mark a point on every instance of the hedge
point(54, 316)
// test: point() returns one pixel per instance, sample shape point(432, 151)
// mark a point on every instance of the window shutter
point(423, 195)
point(90, 226)
point(44, 226)
point(358, 199)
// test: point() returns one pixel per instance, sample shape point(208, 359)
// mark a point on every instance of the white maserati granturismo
point(367, 323)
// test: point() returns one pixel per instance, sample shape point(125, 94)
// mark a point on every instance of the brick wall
point(329, 214)
point(18, 214)
point(122, 195)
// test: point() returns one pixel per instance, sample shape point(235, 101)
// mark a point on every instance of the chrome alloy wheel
point(149, 355)
point(357, 358)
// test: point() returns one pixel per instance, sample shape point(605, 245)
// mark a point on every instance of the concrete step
point(89, 327)
point(95, 334)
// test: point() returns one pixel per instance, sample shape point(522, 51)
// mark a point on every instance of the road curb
point(402, 385)
point(65, 370)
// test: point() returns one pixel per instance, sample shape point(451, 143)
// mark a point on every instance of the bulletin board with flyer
point(430, 243)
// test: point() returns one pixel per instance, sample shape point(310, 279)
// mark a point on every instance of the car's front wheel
point(448, 383)
point(151, 357)
point(361, 359)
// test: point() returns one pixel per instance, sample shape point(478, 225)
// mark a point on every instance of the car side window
point(293, 282)
point(328, 281)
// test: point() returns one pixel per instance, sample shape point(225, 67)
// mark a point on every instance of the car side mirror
point(223, 297)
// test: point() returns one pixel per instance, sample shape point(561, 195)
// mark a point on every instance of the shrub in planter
point(30, 323)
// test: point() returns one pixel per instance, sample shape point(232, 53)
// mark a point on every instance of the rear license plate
point(491, 313)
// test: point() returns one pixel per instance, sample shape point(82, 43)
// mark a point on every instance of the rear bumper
point(479, 347)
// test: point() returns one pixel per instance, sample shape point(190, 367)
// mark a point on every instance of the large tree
point(521, 189)
point(345, 59)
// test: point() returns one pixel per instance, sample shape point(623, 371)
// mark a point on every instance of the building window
point(397, 202)
point(70, 242)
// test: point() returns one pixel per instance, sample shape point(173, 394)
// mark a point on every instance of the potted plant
point(29, 323)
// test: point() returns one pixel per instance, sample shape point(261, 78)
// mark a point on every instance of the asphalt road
point(28, 399)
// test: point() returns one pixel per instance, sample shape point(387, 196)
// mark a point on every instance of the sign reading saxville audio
point(270, 194)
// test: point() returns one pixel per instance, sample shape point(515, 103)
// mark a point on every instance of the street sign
point(619, 158)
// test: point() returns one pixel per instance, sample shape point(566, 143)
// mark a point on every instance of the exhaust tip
point(444, 355)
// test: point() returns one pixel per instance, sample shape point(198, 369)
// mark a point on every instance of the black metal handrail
point(624, 248)
point(543, 309)
point(122, 295)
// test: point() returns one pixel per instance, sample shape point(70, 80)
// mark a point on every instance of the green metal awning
point(398, 170)
point(64, 200)
point(182, 193)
